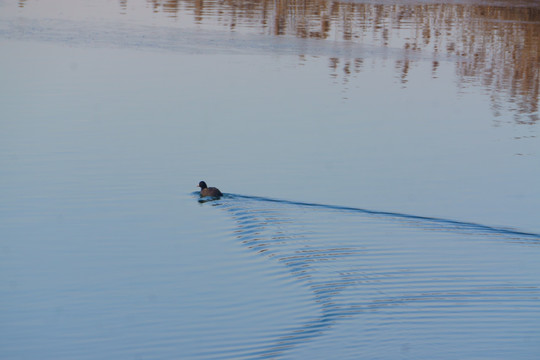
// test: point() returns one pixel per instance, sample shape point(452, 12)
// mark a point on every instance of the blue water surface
point(381, 195)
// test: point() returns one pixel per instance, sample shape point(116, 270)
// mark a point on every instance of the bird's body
point(209, 191)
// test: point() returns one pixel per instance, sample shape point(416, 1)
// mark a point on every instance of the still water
point(380, 164)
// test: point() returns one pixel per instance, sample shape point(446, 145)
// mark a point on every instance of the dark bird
point(209, 191)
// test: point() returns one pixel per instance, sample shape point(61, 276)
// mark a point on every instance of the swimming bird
point(209, 191)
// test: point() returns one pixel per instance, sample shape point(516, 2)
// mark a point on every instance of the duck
point(209, 191)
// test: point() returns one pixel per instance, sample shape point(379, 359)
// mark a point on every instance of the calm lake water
point(380, 164)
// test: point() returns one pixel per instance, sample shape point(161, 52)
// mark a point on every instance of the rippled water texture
point(402, 138)
point(393, 285)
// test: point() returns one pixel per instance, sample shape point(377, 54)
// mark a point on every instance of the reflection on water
point(102, 257)
point(495, 47)
point(419, 279)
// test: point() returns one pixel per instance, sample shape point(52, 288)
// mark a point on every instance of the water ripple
point(394, 278)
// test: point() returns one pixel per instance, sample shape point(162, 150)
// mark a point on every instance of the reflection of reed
point(497, 47)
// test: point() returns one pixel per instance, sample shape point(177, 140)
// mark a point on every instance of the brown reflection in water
point(495, 47)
